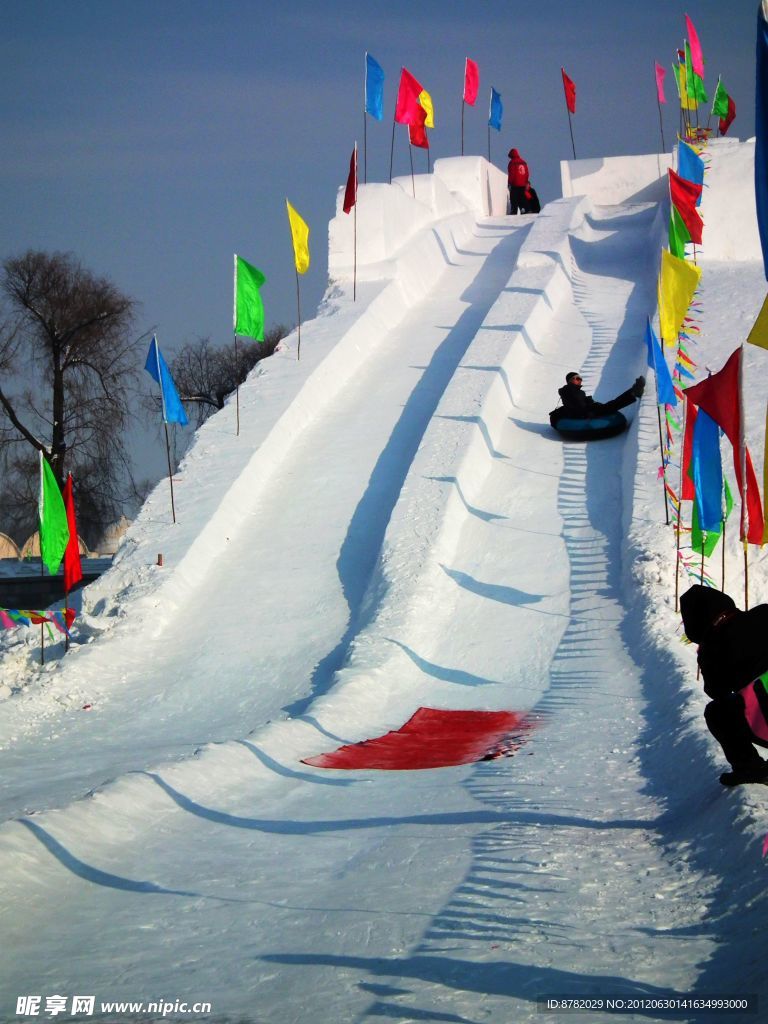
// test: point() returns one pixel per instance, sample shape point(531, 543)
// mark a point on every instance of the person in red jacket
point(517, 178)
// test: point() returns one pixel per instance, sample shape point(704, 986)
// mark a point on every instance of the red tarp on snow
point(432, 738)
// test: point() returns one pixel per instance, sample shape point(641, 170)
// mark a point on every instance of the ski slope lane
point(279, 892)
point(276, 614)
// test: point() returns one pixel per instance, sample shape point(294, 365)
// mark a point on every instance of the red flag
point(688, 490)
point(73, 571)
point(727, 121)
point(684, 194)
point(417, 133)
point(720, 397)
point(350, 192)
point(408, 110)
point(570, 92)
point(471, 82)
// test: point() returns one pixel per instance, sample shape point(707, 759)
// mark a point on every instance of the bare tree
point(205, 376)
point(67, 364)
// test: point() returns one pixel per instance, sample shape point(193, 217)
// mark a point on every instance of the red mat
point(432, 738)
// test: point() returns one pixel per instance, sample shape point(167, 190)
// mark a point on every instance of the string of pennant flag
point(697, 414)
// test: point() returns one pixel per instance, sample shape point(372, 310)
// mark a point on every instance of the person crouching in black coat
point(732, 656)
point(578, 406)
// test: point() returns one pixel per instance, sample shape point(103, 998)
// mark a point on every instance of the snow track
point(462, 557)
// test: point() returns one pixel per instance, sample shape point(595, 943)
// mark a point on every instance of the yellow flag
point(426, 102)
point(300, 236)
point(759, 333)
point(677, 283)
point(686, 102)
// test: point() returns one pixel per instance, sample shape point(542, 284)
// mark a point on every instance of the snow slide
point(422, 540)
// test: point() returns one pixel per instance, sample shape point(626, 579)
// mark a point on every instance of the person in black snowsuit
point(578, 406)
point(732, 655)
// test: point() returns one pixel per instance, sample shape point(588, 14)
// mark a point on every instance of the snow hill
point(396, 526)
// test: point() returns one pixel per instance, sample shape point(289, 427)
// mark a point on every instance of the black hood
point(699, 607)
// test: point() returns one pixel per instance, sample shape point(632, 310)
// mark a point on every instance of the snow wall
point(388, 216)
point(730, 227)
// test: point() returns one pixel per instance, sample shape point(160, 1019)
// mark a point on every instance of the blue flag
point(761, 134)
point(496, 111)
point(156, 367)
point(374, 88)
point(690, 165)
point(665, 389)
point(707, 472)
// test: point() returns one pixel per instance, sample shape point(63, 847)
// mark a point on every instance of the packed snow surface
point(397, 526)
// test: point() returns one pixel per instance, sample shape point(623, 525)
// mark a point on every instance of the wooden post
point(746, 577)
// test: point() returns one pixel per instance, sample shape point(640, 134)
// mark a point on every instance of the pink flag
point(697, 57)
point(660, 73)
point(471, 82)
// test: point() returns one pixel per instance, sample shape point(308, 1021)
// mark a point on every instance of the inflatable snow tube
point(593, 429)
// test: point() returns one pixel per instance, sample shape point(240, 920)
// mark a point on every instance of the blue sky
point(154, 139)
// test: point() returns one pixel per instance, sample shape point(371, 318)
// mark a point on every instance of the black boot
point(754, 771)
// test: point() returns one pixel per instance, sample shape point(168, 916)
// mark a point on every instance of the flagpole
point(170, 473)
point(42, 576)
point(570, 128)
point(298, 313)
point(743, 465)
point(663, 463)
point(237, 387)
point(410, 154)
point(680, 512)
point(722, 553)
point(354, 235)
point(489, 143)
point(392, 151)
point(365, 122)
point(462, 124)
point(354, 266)
point(661, 121)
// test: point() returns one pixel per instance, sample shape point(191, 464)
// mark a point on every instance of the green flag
point(678, 234)
point(249, 308)
point(720, 104)
point(54, 527)
point(704, 542)
point(694, 83)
